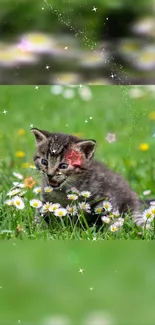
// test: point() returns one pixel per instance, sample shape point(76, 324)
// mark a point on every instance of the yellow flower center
point(35, 204)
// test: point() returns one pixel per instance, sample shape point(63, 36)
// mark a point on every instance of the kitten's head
point(61, 157)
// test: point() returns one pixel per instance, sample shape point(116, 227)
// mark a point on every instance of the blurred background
point(42, 283)
point(77, 41)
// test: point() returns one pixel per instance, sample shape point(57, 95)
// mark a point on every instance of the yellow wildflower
point(152, 116)
point(144, 147)
point(21, 131)
point(20, 154)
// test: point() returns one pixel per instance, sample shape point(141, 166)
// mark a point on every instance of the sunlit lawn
point(108, 109)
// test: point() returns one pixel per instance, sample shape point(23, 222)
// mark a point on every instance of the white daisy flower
point(22, 193)
point(35, 203)
point(48, 189)
point(13, 192)
point(72, 197)
point(45, 207)
point(105, 219)
point(152, 203)
point(98, 210)
point(53, 207)
point(72, 210)
point(85, 206)
point(17, 184)
point(147, 192)
point(152, 209)
point(147, 215)
point(116, 213)
point(74, 190)
point(107, 206)
point(9, 202)
point(19, 203)
point(37, 190)
point(113, 228)
point(60, 212)
point(85, 194)
point(18, 175)
point(119, 222)
point(56, 89)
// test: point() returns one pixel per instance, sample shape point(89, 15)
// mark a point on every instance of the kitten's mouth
point(55, 184)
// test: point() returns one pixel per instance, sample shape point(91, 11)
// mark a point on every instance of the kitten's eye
point(63, 166)
point(44, 162)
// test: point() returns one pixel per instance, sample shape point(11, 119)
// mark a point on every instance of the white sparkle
point(31, 125)
point(42, 8)
point(66, 48)
point(4, 112)
point(107, 18)
point(36, 87)
point(86, 121)
point(111, 137)
point(94, 9)
point(112, 76)
point(53, 150)
point(91, 288)
point(90, 117)
point(81, 271)
point(47, 67)
point(94, 239)
point(80, 86)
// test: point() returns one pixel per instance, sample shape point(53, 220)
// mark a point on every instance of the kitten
point(67, 161)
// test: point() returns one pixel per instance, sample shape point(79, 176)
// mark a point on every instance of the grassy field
point(92, 112)
point(41, 281)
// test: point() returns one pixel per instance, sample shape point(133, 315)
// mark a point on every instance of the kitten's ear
point(39, 135)
point(87, 147)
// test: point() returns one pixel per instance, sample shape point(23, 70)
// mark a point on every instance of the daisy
point(98, 210)
point(48, 189)
point(72, 210)
point(107, 206)
point(22, 193)
point(119, 222)
point(9, 202)
point(113, 228)
point(61, 212)
point(72, 197)
point(45, 207)
point(13, 192)
point(147, 192)
point(35, 203)
point(147, 215)
point(152, 209)
point(116, 213)
point(85, 194)
point(18, 175)
point(54, 207)
point(17, 184)
point(85, 206)
point(105, 219)
point(19, 203)
point(37, 190)
point(74, 190)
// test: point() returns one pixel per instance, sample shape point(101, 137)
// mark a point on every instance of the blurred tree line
point(70, 16)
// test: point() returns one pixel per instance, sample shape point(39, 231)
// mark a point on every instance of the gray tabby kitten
point(67, 161)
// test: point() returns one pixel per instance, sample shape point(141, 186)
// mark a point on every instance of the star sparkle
point(74, 158)
point(94, 9)
point(81, 271)
point(111, 137)
point(4, 112)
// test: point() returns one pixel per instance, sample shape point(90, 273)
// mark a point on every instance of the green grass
point(42, 280)
point(113, 111)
